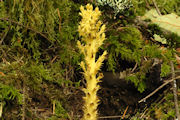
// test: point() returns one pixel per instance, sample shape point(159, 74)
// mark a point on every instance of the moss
point(168, 6)
point(127, 43)
point(139, 7)
point(173, 40)
point(39, 48)
point(131, 36)
point(42, 35)
point(155, 29)
point(60, 112)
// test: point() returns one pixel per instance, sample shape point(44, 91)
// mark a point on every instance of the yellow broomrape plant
point(1, 109)
point(92, 36)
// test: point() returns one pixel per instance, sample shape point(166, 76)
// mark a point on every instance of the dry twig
point(59, 15)
point(125, 112)
point(167, 82)
point(109, 117)
point(157, 9)
point(5, 34)
point(54, 107)
point(24, 102)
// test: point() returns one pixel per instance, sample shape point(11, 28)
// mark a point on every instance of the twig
point(125, 112)
point(175, 91)
point(109, 117)
point(53, 59)
point(54, 107)
point(5, 34)
point(144, 112)
point(167, 82)
point(147, 4)
point(157, 9)
point(29, 28)
point(24, 101)
point(59, 15)
point(134, 68)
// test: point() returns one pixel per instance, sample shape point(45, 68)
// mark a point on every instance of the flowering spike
point(92, 32)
